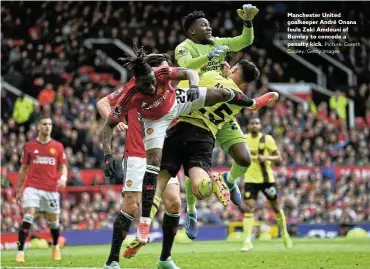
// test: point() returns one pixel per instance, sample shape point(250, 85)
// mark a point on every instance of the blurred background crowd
point(44, 55)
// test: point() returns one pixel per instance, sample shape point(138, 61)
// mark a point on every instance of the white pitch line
point(11, 267)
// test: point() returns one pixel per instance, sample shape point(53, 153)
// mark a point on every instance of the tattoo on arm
point(107, 134)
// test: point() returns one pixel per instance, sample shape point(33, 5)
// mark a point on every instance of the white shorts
point(44, 201)
point(133, 174)
point(155, 130)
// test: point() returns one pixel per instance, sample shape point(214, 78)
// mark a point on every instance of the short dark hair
point(250, 70)
point(189, 19)
point(42, 117)
point(138, 63)
point(155, 59)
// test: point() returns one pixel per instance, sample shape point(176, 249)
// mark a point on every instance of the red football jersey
point(43, 161)
point(134, 146)
point(151, 107)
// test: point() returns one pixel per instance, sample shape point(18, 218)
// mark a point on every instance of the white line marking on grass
point(11, 267)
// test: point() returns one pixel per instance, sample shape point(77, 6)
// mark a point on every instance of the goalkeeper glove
point(193, 93)
point(248, 13)
point(109, 166)
point(217, 52)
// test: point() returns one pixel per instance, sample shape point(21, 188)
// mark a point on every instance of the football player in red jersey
point(151, 93)
point(44, 163)
point(133, 165)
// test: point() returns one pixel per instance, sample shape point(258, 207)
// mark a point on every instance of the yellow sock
point(248, 223)
point(280, 218)
point(155, 206)
point(190, 198)
point(205, 188)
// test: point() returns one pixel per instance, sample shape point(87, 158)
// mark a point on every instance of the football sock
point(280, 218)
point(205, 188)
point(191, 200)
point(236, 172)
point(248, 223)
point(149, 185)
point(240, 99)
point(155, 206)
point(22, 234)
point(55, 235)
point(121, 227)
point(169, 227)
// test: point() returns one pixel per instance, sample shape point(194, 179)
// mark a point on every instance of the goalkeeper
point(203, 52)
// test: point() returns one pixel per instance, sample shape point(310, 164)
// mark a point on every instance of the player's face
point(147, 84)
point(45, 127)
point(202, 30)
point(254, 126)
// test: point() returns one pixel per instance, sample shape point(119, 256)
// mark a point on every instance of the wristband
point(248, 24)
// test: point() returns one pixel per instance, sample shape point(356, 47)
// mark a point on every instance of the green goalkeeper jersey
point(213, 118)
point(195, 56)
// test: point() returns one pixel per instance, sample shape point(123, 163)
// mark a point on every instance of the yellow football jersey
point(257, 172)
point(214, 117)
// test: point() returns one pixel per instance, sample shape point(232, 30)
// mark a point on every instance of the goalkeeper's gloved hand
point(109, 166)
point(193, 93)
point(248, 12)
point(218, 51)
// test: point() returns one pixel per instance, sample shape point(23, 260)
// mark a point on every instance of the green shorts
point(229, 135)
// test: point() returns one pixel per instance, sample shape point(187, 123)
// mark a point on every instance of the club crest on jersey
point(183, 52)
point(149, 131)
point(160, 90)
point(52, 151)
point(128, 183)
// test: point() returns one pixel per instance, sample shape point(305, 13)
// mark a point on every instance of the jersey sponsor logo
point(52, 151)
point(183, 52)
point(157, 102)
point(44, 160)
point(143, 104)
point(117, 112)
point(149, 131)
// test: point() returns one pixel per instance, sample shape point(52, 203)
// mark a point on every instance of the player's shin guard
point(120, 229)
point(239, 99)
point(236, 172)
point(191, 200)
point(248, 223)
point(55, 231)
point(280, 218)
point(155, 206)
point(169, 227)
point(149, 185)
point(205, 188)
point(24, 230)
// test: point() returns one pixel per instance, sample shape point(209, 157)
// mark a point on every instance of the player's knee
point(172, 205)
point(153, 159)
point(249, 207)
point(225, 94)
point(130, 203)
point(54, 224)
point(244, 160)
point(29, 218)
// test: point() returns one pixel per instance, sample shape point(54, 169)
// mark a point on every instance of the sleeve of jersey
point(239, 42)
point(270, 143)
point(62, 156)
point(114, 97)
point(25, 159)
point(124, 104)
point(185, 59)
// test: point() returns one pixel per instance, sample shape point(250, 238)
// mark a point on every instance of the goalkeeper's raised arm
point(203, 52)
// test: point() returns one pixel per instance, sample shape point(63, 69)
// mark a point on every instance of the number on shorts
point(271, 192)
point(218, 112)
point(180, 96)
point(52, 203)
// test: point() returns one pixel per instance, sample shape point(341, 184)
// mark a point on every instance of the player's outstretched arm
point(185, 59)
point(21, 176)
point(104, 107)
point(187, 74)
point(247, 14)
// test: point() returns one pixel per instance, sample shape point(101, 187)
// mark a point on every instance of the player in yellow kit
point(260, 177)
point(203, 52)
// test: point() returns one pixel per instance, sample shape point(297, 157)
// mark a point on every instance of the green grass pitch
point(306, 253)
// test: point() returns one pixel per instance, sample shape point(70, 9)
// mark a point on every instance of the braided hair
point(138, 64)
